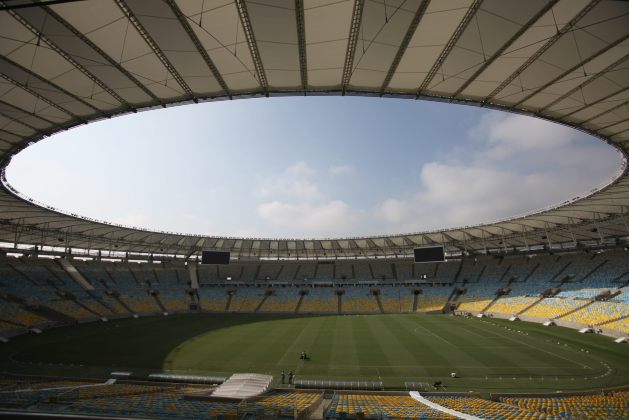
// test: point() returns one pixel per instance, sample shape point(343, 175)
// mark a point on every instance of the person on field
point(283, 376)
point(290, 377)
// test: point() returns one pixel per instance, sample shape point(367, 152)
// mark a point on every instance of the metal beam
point(619, 132)
point(154, 47)
point(31, 75)
point(594, 77)
point(607, 111)
point(506, 45)
point(571, 69)
point(41, 3)
point(352, 41)
point(69, 58)
point(41, 98)
point(103, 54)
point(27, 125)
point(301, 42)
point(241, 6)
point(183, 20)
point(537, 54)
point(471, 12)
point(404, 44)
point(32, 114)
point(598, 101)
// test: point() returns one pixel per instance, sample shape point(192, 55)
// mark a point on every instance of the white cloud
point(395, 211)
point(463, 195)
point(505, 136)
point(331, 218)
point(510, 165)
point(294, 183)
point(517, 165)
point(340, 170)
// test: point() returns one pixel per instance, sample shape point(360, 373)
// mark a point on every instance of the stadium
point(525, 317)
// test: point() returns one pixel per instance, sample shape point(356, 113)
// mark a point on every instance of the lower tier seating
point(485, 409)
point(612, 406)
point(381, 406)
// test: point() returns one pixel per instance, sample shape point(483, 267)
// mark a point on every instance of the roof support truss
point(352, 40)
point(154, 47)
point(404, 44)
point(506, 45)
point(449, 46)
point(542, 50)
point(301, 42)
point(253, 45)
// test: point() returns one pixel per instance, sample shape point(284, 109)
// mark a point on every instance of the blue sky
point(311, 167)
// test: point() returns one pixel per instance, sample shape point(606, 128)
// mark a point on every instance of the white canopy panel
point(67, 62)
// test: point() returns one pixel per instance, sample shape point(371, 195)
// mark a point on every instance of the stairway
point(592, 271)
point(229, 302)
point(613, 320)
point(377, 296)
point(100, 301)
point(88, 309)
point(123, 304)
point(264, 298)
point(560, 272)
point(24, 276)
point(576, 309)
point(75, 274)
point(159, 302)
point(454, 296)
point(17, 324)
point(299, 302)
point(531, 305)
point(50, 314)
point(490, 304)
point(415, 301)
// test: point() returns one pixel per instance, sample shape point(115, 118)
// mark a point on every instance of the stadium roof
point(66, 63)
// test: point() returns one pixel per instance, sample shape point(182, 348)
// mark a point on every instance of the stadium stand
point(282, 300)
point(144, 400)
point(551, 308)
point(433, 298)
point(483, 408)
point(396, 299)
point(213, 300)
point(586, 289)
point(246, 300)
point(319, 300)
point(613, 405)
point(359, 300)
point(513, 305)
point(380, 406)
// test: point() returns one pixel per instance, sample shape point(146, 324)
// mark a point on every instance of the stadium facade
point(67, 63)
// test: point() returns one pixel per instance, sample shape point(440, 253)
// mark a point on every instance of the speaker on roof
point(429, 254)
point(215, 257)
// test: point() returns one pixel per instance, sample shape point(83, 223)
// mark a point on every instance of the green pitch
point(487, 355)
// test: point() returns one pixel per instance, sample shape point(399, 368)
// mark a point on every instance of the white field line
point(540, 349)
point(433, 334)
